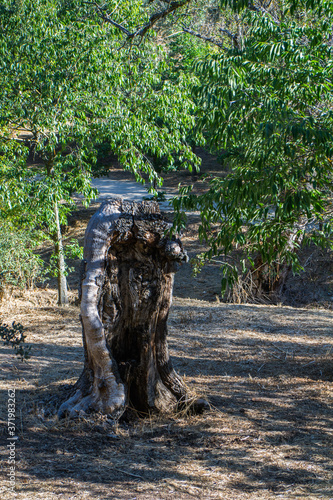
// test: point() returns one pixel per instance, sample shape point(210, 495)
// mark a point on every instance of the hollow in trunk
point(126, 293)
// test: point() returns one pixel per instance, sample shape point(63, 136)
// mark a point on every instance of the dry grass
point(266, 370)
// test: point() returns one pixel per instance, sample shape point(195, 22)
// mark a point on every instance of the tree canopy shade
point(70, 83)
point(267, 105)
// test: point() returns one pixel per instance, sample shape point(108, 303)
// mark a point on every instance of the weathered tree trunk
point(126, 293)
point(59, 251)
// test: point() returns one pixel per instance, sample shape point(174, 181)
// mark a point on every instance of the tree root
point(107, 398)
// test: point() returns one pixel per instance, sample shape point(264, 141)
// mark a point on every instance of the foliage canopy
point(69, 83)
point(77, 74)
point(267, 105)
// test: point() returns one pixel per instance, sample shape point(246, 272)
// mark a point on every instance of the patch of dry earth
point(266, 370)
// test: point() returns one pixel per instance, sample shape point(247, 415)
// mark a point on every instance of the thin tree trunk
point(126, 293)
point(59, 251)
point(272, 278)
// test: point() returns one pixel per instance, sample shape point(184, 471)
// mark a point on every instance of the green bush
point(14, 336)
point(19, 265)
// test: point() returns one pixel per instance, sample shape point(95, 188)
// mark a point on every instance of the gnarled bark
point(126, 293)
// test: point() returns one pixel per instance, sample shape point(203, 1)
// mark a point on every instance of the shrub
point(14, 337)
point(19, 265)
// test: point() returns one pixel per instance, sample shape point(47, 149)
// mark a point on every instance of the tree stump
point(126, 292)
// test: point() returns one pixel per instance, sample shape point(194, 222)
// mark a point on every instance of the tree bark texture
point(59, 250)
point(126, 293)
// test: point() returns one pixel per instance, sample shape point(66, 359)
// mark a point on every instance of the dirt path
point(314, 286)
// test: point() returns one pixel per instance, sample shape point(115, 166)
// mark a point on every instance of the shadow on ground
point(265, 370)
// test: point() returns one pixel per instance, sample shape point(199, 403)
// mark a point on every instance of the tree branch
point(203, 37)
point(263, 10)
point(106, 18)
point(234, 38)
point(171, 7)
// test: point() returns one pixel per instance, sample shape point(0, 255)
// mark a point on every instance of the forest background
point(150, 83)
